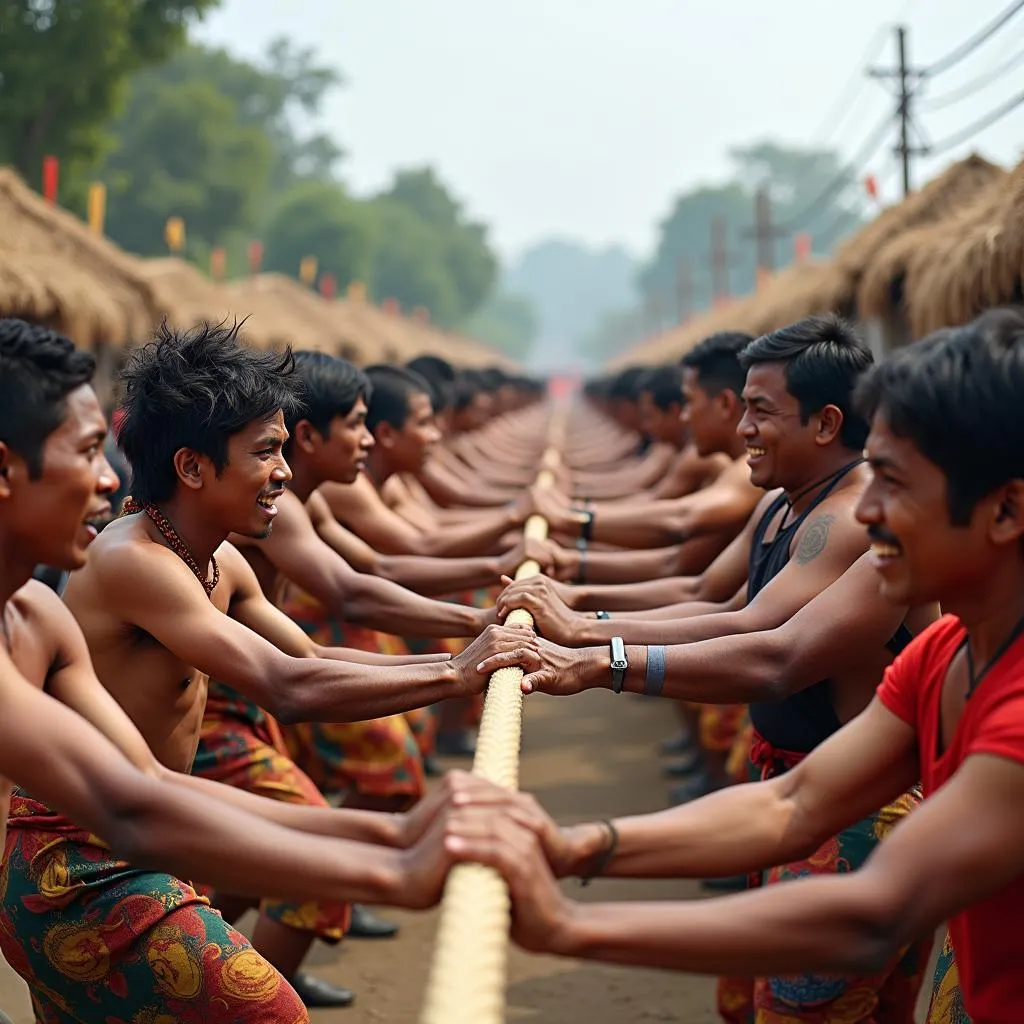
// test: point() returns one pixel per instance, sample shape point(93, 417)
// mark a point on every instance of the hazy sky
point(584, 118)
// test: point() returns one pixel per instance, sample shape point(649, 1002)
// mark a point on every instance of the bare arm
point(362, 510)
point(175, 610)
point(420, 573)
point(824, 549)
point(959, 848)
point(298, 552)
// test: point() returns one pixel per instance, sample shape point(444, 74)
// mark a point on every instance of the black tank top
point(803, 720)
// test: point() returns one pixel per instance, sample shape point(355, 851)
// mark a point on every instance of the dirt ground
point(592, 756)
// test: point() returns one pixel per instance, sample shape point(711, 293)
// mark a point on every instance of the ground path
point(585, 757)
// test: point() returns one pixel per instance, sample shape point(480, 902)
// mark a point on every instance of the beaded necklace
point(174, 542)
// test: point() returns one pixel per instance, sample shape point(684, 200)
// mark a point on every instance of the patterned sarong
point(887, 997)
point(720, 724)
point(379, 758)
point(98, 941)
point(947, 1005)
point(240, 745)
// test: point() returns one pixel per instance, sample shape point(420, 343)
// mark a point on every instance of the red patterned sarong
point(887, 997)
point(240, 745)
point(97, 940)
point(379, 758)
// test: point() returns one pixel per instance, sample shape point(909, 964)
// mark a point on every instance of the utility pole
point(684, 290)
point(764, 232)
point(905, 77)
point(719, 262)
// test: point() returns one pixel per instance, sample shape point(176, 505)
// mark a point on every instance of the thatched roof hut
point(97, 293)
point(971, 261)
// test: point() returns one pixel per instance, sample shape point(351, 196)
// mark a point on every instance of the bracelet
point(587, 526)
point(654, 680)
point(605, 857)
point(603, 616)
point(581, 567)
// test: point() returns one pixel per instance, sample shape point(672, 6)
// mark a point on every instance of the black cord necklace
point(973, 678)
point(832, 479)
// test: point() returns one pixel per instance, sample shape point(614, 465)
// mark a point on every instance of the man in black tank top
point(804, 640)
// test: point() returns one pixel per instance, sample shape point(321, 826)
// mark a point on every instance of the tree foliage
point(63, 67)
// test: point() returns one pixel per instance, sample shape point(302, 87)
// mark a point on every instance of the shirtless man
point(401, 418)
point(65, 740)
point(946, 521)
point(804, 436)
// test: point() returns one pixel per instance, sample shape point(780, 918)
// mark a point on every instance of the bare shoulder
point(43, 613)
point(318, 510)
point(832, 524)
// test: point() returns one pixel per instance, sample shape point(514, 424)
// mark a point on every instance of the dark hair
point(625, 387)
point(393, 386)
point(665, 385)
point(39, 368)
point(196, 389)
point(956, 396)
point(467, 386)
point(824, 360)
point(330, 387)
point(716, 361)
point(440, 375)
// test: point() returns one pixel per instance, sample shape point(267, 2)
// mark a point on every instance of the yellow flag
point(97, 206)
point(174, 234)
point(307, 269)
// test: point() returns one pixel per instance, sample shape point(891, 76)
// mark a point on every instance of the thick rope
point(468, 973)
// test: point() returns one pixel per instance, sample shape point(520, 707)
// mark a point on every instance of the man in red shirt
point(945, 513)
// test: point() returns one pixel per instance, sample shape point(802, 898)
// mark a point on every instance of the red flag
point(802, 247)
point(51, 175)
point(328, 286)
point(218, 260)
point(871, 186)
point(391, 306)
point(255, 256)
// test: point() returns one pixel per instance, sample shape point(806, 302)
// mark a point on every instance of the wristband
point(581, 565)
point(587, 526)
point(606, 856)
point(654, 680)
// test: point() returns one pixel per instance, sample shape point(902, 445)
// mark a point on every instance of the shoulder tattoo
point(813, 539)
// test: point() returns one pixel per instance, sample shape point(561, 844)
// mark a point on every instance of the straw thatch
point(804, 289)
point(956, 186)
point(972, 261)
point(97, 292)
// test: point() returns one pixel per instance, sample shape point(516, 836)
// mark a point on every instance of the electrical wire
point(867, 150)
point(971, 87)
point(966, 48)
point(850, 92)
point(980, 125)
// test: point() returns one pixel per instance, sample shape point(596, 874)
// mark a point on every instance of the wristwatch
point(619, 664)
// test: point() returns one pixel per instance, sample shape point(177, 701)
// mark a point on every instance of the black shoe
point(731, 883)
point(367, 925)
point(456, 744)
point(677, 745)
point(318, 994)
point(432, 767)
point(689, 764)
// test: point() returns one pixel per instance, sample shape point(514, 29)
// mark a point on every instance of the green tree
point(183, 152)
point(407, 266)
point(318, 219)
point(458, 246)
point(810, 192)
point(63, 67)
point(506, 321)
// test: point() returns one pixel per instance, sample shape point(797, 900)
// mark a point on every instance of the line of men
point(149, 706)
point(797, 619)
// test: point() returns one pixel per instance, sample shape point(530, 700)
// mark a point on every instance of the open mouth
point(753, 452)
point(267, 503)
point(96, 520)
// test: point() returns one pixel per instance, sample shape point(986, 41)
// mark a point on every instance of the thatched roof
point(801, 290)
point(957, 185)
point(117, 306)
point(51, 290)
point(972, 261)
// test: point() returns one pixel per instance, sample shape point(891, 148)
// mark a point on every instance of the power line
point(966, 48)
point(841, 182)
point(980, 125)
point(971, 87)
point(850, 92)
